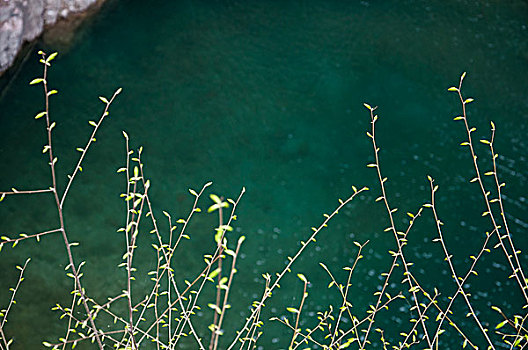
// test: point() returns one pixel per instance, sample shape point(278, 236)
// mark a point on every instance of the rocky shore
point(24, 20)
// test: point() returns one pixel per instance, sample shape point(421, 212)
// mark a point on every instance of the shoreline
point(22, 24)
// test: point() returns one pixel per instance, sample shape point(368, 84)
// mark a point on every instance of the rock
point(56, 9)
point(11, 33)
point(25, 20)
point(60, 35)
point(33, 21)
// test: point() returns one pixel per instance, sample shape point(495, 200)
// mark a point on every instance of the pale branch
point(291, 260)
point(24, 236)
point(15, 191)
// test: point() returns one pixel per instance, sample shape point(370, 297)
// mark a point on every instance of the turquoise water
point(268, 95)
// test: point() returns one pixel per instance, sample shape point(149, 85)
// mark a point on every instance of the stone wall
point(25, 20)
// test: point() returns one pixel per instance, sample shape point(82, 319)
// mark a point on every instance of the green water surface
point(268, 95)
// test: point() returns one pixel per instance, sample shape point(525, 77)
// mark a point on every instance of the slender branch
point(226, 295)
point(452, 268)
point(70, 320)
point(508, 235)
point(400, 243)
point(12, 302)
point(52, 162)
point(444, 314)
point(298, 316)
point(389, 274)
point(308, 336)
point(516, 268)
point(405, 343)
point(85, 149)
point(15, 191)
point(291, 260)
point(189, 286)
point(346, 304)
point(370, 317)
point(216, 328)
point(24, 236)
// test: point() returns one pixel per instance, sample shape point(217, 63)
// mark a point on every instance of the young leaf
point(214, 273)
point(40, 115)
point(215, 198)
point(215, 307)
point(51, 57)
point(500, 325)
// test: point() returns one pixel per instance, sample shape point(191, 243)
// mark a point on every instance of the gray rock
point(11, 30)
point(55, 9)
point(33, 22)
point(25, 20)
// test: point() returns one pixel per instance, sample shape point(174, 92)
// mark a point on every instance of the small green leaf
point(215, 307)
point(214, 273)
point(103, 99)
point(51, 57)
point(495, 308)
point(40, 115)
point(225, 228)
point(217, 206)
point(215, 198)
point(218, 236)
point(517, 341)
point(36, 81)
point(500, 325)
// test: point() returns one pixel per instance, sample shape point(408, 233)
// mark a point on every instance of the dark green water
point(268, 95)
